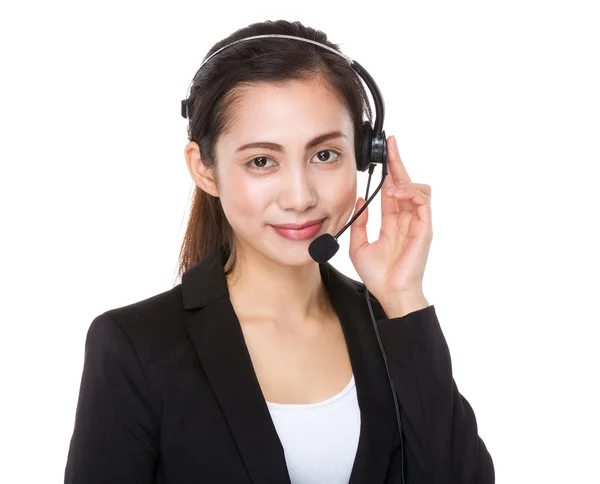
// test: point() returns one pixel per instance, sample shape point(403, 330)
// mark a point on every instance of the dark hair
point(211, 106)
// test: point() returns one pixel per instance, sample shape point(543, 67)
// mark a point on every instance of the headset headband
point(360, 70)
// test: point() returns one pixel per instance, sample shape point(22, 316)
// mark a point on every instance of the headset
point(372, 150)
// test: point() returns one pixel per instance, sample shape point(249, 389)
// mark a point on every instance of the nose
point(297, 191)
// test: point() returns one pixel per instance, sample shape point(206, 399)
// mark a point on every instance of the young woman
point(262, 366)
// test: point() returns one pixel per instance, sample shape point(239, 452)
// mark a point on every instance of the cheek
point(241, 200)
point(341, 195)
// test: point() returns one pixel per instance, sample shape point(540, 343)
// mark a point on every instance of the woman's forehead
point(293, 112)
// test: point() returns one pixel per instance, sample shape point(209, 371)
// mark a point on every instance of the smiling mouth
point(298, 226)
point(299, 234)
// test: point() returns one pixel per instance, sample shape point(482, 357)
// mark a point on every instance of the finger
point(388, 204)
point(420, 199)
point(398, 171)
point(401, 205)
point(395, 165)
point(409, 193)
point(426, 189)
point(358, 228)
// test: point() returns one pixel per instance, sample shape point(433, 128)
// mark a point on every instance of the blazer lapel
point(219, 341)
point(217, 336)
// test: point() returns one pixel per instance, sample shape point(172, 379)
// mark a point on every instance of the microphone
point(325, 246)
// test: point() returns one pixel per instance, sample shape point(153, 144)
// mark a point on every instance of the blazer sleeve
point(440, 435)
point(115, 436)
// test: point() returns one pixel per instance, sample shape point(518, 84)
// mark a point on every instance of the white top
point(319, 439)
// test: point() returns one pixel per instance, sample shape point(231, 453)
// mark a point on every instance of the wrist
point(401, 304)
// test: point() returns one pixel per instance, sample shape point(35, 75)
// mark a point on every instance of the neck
point(262, 289)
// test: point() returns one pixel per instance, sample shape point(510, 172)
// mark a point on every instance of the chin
point(295, 254)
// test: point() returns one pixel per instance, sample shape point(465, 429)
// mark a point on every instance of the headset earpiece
point(379, 149)
point(371, 149)
point(364, 150)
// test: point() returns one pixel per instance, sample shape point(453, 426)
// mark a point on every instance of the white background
point(494, 104)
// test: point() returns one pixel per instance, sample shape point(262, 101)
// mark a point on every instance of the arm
point(441, 442)
point(116, 431)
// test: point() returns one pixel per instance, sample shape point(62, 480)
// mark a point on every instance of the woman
point(261, 366)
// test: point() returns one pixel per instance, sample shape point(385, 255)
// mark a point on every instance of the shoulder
point(151, 325)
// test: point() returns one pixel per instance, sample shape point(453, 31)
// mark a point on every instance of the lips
point(298, 226)
point(309, 230)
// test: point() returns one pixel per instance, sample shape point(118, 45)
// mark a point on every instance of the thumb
point(358, 228)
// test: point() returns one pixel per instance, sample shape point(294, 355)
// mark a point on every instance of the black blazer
point(169, 395)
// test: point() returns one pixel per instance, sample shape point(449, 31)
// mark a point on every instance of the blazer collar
point(216, 334)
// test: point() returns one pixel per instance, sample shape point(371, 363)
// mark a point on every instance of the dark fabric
point(169, 395)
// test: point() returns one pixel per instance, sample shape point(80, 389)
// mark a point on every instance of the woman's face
point(294, 179)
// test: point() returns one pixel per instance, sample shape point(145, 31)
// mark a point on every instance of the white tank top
point(319, 439)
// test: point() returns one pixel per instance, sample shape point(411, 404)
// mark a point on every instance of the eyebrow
point(277, 147)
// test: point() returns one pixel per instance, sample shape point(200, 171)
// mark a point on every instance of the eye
point(261, 161)
point(324, 156)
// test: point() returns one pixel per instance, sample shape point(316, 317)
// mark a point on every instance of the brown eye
point(260, 162)
point(325, 155)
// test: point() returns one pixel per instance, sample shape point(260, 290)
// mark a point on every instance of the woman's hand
point(393, 266)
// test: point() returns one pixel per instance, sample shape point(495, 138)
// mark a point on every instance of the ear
point(201, 174)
